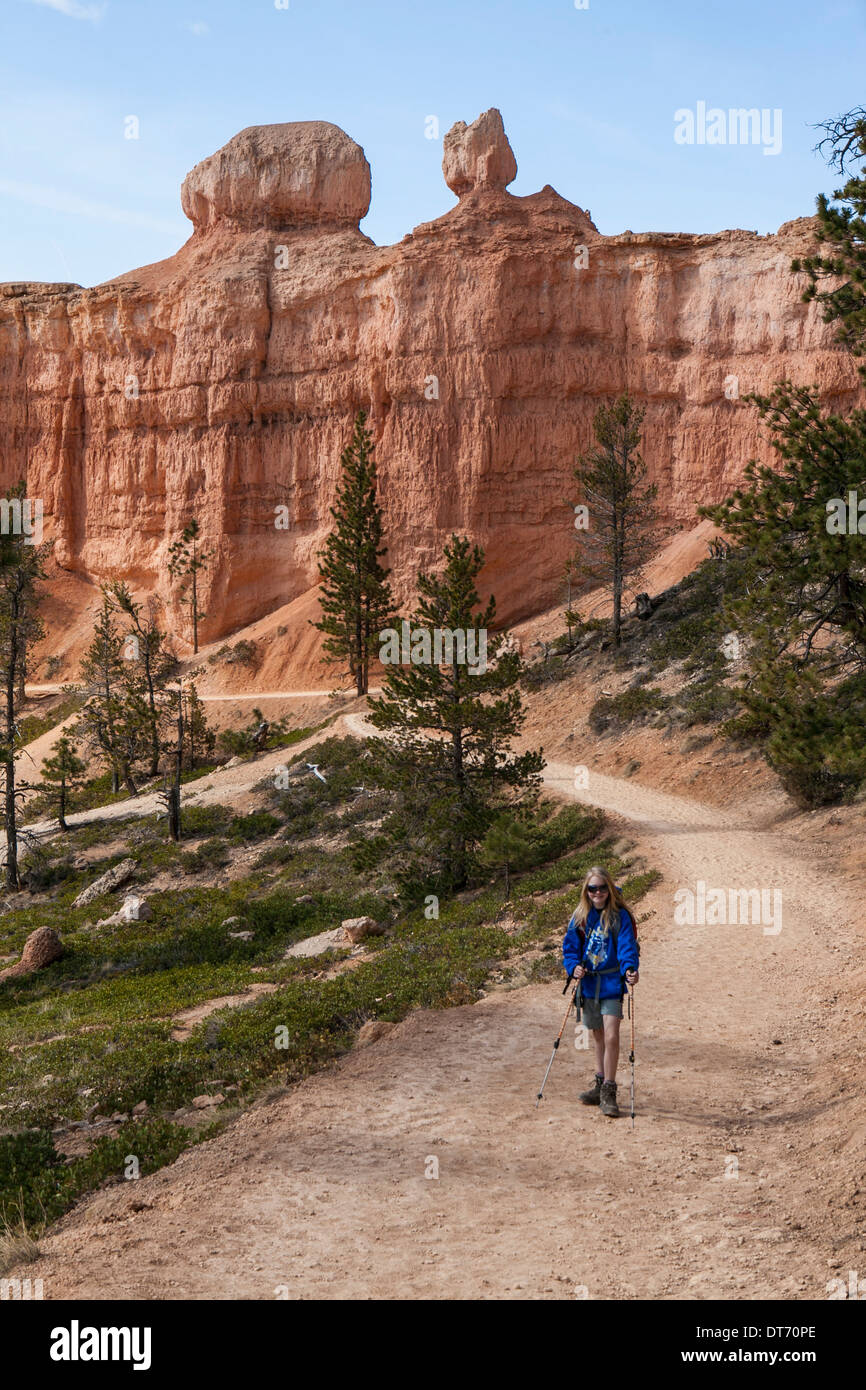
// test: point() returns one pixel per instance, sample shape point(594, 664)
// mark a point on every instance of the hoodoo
point(222, 383)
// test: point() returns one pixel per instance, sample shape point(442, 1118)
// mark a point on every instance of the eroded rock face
point(297, 174)
point(478, 156)
point(222, 383)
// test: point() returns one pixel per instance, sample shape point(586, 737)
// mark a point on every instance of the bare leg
point(611, 1046)
point(598, 1040)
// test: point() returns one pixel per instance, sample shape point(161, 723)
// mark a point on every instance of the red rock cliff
point(222, 383)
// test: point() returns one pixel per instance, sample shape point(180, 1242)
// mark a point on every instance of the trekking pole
point(558, 1037)
point(631, 1054)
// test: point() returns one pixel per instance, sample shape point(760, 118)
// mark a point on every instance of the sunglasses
point(596, 888)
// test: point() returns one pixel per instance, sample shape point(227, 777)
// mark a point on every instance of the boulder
point(106, 883)
point(354, 929)
point(205, 1102)
point(41, 948)
point(134, 909)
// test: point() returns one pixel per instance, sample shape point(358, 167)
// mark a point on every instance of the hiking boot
point(608, 1099)
point(592, 1096)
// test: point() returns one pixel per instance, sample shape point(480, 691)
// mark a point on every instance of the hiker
point(601, 945)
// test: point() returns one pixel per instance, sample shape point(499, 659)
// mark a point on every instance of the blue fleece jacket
point(621, 955)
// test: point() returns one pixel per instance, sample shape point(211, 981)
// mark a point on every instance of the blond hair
point(611, 907)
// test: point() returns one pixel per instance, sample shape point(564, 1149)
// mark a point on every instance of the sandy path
point(324, 1191)
point(224, 784)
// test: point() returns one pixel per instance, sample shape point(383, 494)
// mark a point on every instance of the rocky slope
point(222, 382)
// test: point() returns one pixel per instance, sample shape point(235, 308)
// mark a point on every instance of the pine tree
point(841, 231)
point(621, 510)
point(185, 561)
point(804, 611)
point(449, 723)
point(355, 595)
point(201, 738)
point(112, 720)
point(150, 657)
point(62, 772)
point(21, 569)
point(507, 845)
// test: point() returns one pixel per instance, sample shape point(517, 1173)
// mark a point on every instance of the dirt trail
point(213, 788)
point(746, 1060)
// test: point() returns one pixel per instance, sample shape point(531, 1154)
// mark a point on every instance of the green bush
point(212, 854)
point(30, 1174)
point(254, 826)
point(626, 707)
point(205, 820)
point(706, 702)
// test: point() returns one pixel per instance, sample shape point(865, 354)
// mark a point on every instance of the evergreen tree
point(60, 774)
point(355, 595)
point(201, 738)
point(449, 723)
point(113, 719)
point(621, 509)
point(507, 845)
point(150, 664)
point(804, 611)
point(185, 561)
point(841, 232)
point(21, 569)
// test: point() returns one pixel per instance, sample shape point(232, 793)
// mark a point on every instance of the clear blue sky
point(588, 99)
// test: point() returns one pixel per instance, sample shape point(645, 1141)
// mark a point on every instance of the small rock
point(141, 1108)
point(204, 1102)
point(304, 898)
point(242, 935)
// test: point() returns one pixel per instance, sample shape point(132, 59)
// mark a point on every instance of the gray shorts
point(591, 1011)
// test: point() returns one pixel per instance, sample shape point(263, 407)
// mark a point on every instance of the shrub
point(629, 705)
point(243, 653)
point(213, 854)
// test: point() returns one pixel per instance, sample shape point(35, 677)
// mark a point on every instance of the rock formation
point(222, 382)
point(41, 948)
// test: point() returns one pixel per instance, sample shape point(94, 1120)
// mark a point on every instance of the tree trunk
point(61, 815)
point(151, 700)
point(10, 808)
point(194, 604)
point(174, 814)
point(22, 672)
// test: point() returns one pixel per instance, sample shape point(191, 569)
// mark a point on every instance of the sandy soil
point(418, 1167)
